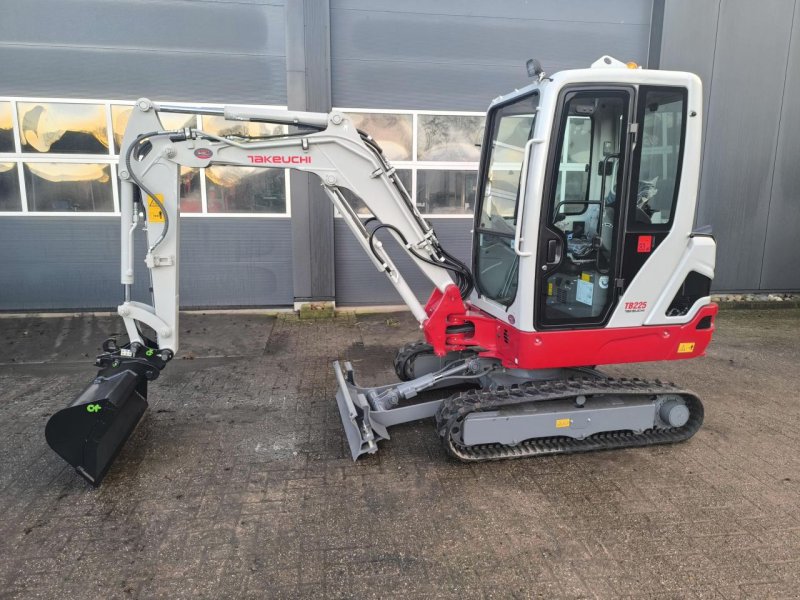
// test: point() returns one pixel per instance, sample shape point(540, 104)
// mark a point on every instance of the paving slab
point(238, 482)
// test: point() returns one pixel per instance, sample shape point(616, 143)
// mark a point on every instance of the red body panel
point(565, 348)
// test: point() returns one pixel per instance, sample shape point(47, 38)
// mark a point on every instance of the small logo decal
point(645, 244)
point(203, 153)
point(635, 306)
point(93, 408)
point(685, 347)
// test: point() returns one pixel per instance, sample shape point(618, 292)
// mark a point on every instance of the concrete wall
point(749, 60)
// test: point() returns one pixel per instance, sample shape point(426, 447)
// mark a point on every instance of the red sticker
point(203, 153)
point(645, 244)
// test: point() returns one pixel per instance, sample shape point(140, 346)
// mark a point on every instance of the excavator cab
point(584, 254)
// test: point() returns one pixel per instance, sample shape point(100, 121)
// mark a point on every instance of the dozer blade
point(354, 409)
point(91, 431)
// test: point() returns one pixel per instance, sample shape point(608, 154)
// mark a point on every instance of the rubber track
point(405, 355)
point(456, 408)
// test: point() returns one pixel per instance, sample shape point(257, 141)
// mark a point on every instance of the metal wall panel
point(459, 55)
point(742, 132)
point(359, 282)
point(53, 263)
point(214, 51)
point(781, 268)
point(689, 38)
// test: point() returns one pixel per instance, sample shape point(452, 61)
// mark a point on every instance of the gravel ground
point(238, 482)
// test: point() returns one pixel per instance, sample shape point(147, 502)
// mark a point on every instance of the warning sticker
point(561, 423)
point(685, 347)
point(154, 214)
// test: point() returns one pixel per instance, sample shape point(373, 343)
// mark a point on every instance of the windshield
point(496, 262)
point(511, 128)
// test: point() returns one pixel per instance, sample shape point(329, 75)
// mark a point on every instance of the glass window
point(6, 128)
point(361, 208)
point(121, 114)
point(449, 138)
point(63, 128)
point(245, 189)
point(661, 140)
point(191, 197)
point(223, 127)
point(512, 127)
point(496, 261)
point(578, 246)
point(446, 192)
point(572, 185)
point(68, 187)
point(392, 132)
point(9, 187)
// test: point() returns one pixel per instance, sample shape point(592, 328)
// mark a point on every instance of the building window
point(446, 192)
point(245, 189)
point(244, 129)
point(6, 128)
point(61, 128)
point(393, 132)
point(10, 199)
point(451, 138)
point(68, 187)
point(121, 114)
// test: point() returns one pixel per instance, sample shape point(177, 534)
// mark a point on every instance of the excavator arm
point(327, 145)
point(89, 433)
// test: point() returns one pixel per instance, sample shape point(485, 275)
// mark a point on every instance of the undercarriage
point(484, 411)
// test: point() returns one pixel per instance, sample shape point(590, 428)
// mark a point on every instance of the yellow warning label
point(586, 276)
point(550, 288)
point(154, 214)
point(685, 347)
point(561, 423)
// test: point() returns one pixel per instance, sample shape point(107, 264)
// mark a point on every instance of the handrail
point(523, 180)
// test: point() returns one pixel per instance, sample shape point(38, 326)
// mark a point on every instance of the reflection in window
point(191, 197)
point(446, 192)
point(245, 189)
point(63, 128)
point(68, 187)
point(392, 132)
point(572, 186)
point(360, 207)
point(120, 115)
point(223, 127)
point(661, 145)
point(9, 187)
point(449, 138)
point(6, 128)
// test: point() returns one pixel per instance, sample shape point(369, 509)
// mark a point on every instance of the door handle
point(552, 247)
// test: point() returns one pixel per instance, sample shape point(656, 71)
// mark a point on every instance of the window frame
point(20, 158)
point(414, 165)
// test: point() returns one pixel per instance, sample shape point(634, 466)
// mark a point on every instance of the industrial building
point(416, 75)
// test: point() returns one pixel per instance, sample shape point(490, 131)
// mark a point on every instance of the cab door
point(583, 211)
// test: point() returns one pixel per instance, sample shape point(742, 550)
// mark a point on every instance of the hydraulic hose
point(135, 145)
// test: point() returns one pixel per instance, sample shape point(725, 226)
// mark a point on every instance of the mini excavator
point(584, 253)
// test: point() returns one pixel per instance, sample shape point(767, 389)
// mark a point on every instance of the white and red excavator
point(584, 254)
